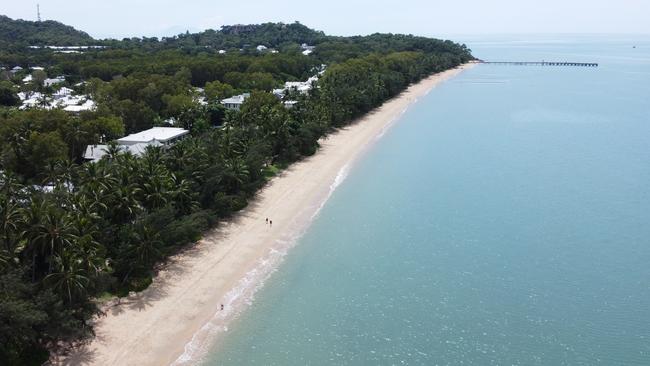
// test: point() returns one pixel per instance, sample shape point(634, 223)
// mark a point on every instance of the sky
point(122, 18)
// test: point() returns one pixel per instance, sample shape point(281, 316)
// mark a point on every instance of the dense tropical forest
point(101, 228)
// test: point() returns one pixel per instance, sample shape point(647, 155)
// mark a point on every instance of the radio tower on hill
point(38, 12)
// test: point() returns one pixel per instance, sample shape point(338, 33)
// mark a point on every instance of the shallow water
point(503, 220)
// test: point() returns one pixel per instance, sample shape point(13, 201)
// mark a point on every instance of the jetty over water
point(541, 63)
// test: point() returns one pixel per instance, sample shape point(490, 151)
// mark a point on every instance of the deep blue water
point(505, 220)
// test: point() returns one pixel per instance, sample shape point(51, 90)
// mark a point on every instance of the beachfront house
point(164, 135)
point(137, 143)
point(16, 69)
point(234, 103)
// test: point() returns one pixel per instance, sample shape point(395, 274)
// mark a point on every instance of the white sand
point(154, 326)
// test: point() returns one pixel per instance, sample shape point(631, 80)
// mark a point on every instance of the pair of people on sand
point(270, 222)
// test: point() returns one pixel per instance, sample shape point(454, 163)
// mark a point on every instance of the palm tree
point(60, 174)
point(183, 196)
point(30, 245)
point(156, 191)
point(54, 233)
point(113, 150)
point(123, 204)
point(144, 249)
point(235, 173)
point(69, 277)
point(10, 213)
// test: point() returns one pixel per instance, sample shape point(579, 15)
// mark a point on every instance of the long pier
point(541, 63)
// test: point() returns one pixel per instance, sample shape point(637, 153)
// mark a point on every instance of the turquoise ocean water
point(504, 220)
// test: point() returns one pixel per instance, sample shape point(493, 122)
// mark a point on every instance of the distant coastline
point(178, 315)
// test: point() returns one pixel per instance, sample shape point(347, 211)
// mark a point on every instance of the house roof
point(64, 91)
point(97, 152)
point(156, 133)
point(86, 106)
point(237, 99)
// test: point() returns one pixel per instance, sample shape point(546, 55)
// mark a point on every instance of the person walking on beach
point(267, 220)
point(221, 306)
point(271, 222)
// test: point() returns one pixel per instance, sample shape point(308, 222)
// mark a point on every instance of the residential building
point(138, 143)
point(62, 93)
point(234, 103)
point(163, 135)
point(56, 80)
point(87, 105)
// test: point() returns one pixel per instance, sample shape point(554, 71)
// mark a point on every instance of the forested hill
point(277, 35)
point(49, 32)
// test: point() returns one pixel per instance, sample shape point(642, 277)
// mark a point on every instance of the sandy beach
point(181, 310)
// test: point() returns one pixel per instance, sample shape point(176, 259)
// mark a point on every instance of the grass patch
point(272, 170)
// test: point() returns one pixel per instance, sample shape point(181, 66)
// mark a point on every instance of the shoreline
point(176, 318)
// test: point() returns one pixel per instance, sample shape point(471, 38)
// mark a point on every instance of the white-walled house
point(164, 135)
point(56, 80)
point(235, 102)
point(137, 143)
point(95, 153)
point(63, 92)
point(79, 105)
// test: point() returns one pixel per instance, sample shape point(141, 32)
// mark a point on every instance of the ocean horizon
point(502, 220)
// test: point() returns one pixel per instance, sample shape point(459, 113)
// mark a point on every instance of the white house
point(163, 135)
point(235, 102)
point(222, 52)
point(16, 69)
point(35, 100)
point(28, 79)
point(261, 48)
point(38, 68)
point(302, 87)
point(279, 93)
point(137, 143)
point(288, 104)
point(88, 105)
point(56, 80)
point(94, 153)
point(63, 92)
